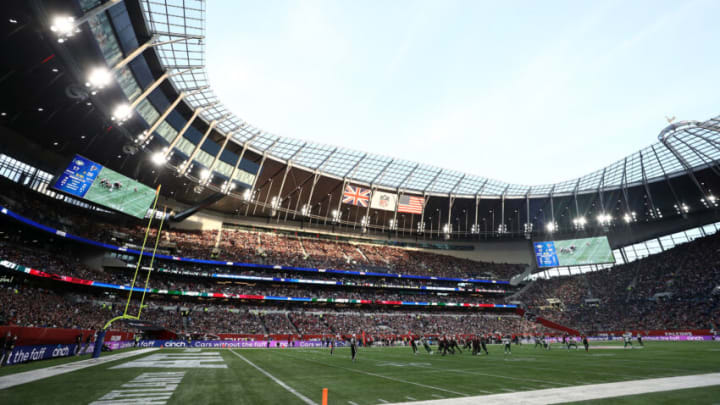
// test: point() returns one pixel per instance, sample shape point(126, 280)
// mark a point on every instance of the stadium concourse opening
point(156, 248)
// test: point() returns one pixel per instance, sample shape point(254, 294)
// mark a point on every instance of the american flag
point(356, 196)
point(410, 204)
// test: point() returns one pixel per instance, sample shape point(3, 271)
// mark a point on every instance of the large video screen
point(91, 181)
point(573, 252)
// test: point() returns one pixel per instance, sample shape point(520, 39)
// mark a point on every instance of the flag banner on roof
point(383, 201)
point(410, 204)
point(356, 196)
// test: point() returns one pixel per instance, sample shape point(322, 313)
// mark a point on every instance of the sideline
point(39, 374)
point(584, 392)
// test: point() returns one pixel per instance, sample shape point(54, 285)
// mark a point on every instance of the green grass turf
point(392, 374)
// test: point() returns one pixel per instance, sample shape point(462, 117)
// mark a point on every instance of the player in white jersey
point(506, 343)
point(627, 337)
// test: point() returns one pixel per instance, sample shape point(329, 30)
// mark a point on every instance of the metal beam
point(646, 185)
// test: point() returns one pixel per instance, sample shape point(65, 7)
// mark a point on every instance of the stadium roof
point(681, 148)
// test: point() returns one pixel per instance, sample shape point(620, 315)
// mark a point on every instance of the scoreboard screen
point(95, 183)
point(573, 252)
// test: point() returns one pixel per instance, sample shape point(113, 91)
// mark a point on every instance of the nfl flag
point(383, 201)
point(410, 204)
point(356, 196)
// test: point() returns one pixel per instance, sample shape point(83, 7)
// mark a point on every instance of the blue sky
point(528, 92)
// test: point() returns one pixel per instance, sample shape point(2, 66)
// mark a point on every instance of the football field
point(380, 375)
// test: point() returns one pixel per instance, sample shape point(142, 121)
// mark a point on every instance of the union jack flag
point(356, 196)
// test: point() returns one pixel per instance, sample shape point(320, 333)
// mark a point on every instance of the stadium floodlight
point(629, 217)
point(551, 227)
point(364, 220)
point(604, 219)
point(246, 194)
point(227, 187)
point(98, 78)
point(304, 210)
point(710, 201)
point(122, 112)
point(682, 209)
point(579, 222)
point(64, 27)
point(335, 215)
point(205, 174)
point(158, 158)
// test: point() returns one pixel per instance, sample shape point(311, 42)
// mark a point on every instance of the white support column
point(183, 168)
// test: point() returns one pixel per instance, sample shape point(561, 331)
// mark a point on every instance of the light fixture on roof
point(227, 187)
point(551, 227)
point(158, 158)
point(246, 195)
point(12, 21)
point(709, 201)
point(579, 222)
point(64, 27)
point(604, 219)
point(122, 112)
point(205, 174)
point(682, 208)
point(98, 78)
point(630, 217)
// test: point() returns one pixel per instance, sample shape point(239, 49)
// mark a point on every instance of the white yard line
point(39, 374)
point(382, 376)
point(277, 381)
point(584, 392)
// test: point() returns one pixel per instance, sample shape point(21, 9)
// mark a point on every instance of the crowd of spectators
point(262, 247)
point(675, 289)
point(23, 305)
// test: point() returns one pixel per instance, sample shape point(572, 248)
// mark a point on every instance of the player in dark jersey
point(332, 343)
point(639, 338)
point(483, 343)
point(475, 345)
point(538, 342)
point(413, 343)
point(454, 345)
point(586, 343)
point(353, 347)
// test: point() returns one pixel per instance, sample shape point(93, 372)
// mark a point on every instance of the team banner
point(383, 201)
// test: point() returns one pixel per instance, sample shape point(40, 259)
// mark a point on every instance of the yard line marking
point(380, 376)
point(584, 392)
point(507, 390)
point(437, 396)
point(39, 374)
point(411, 398)
point(382, 401)
point(352, 403)
point(277, 381)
